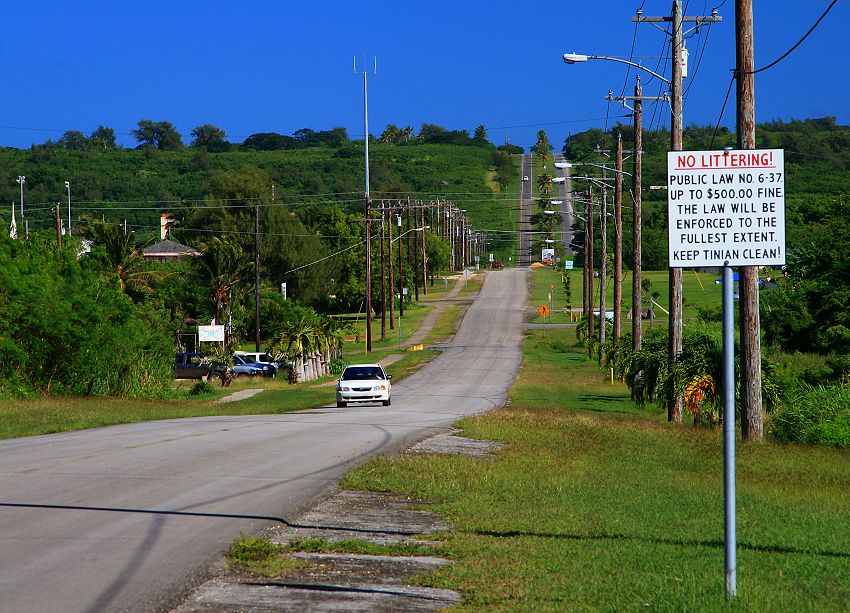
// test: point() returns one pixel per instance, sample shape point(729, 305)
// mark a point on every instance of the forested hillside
point(311, 197)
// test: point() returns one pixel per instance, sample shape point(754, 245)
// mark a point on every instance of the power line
point(799, 42)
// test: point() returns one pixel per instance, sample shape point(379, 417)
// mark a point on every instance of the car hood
point(363, 382)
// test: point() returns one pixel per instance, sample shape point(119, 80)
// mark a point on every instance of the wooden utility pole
point(676, 19)
point(400, 267)
point(618, 240)
point(256, 278)
point(591, 328)
point(416, 241)
point(390, 283)
point(674, 321)
point(424, 258)
point(603, 264)
point(751, 401)
point(636, 217)
point(586, 279)
point(383, 277)
point(58, 229)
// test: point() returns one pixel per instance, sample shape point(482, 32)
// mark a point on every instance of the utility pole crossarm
point(694, 19)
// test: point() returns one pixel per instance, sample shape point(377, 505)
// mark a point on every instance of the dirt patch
point(341, 581)
point(451, 444)
point(240, 395)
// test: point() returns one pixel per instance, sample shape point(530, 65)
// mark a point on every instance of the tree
point(269, 141)
point(226, 266)
point(391, 134)
point(64, 330)
point(103, 138)
point(158, 134)
point(544, 184)
point(504, 166)
point(542, 147)
point(119, 254)
point(209, 137)
point(74, 140)
point(480, 133)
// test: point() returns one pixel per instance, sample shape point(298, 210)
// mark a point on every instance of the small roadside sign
point(211, 334)
point(543, 310)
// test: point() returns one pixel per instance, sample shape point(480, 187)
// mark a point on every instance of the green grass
point(47, 415)
point(446, 325)
point(698, 290)
point(594, 504)
point(260, 556)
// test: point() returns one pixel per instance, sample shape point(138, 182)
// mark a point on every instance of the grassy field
point(594, 504)
point(698, 289)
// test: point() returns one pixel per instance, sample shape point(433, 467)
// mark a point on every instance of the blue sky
point(262, 66)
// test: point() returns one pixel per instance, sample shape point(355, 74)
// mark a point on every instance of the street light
point(21, 180)
point(563, 165)
point(573, 58)
point(558, 179)
point(68, 185)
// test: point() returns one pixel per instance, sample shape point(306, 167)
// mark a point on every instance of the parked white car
point(364, 383)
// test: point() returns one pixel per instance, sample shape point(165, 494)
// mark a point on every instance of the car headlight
point(343, 389)
point(379, 388)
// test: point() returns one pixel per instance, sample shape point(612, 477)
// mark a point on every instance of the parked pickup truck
point(189, 365)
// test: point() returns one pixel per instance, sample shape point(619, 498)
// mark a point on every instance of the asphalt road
point(525, 211)
point(564, 194)
point(123, 518)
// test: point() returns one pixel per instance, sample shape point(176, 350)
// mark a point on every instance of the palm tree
point(123, 257)
point(295, 340)
point(224, 263)
point(544, 184)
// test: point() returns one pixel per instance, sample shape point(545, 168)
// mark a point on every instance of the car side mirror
point(389, 377)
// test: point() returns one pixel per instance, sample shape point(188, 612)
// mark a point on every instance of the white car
point(364, 383)
point(525, 178)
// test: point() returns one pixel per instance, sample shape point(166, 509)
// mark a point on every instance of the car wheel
point(388, 401)
point(341, 405)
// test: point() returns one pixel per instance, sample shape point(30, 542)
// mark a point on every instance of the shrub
point(819, 415)
point(337, 365)
point(201, 388)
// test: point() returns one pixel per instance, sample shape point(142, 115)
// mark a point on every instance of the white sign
point(283, 290)
point(211, 334)
point(726, 207)
point(548, 255)
point(491, 257)
point(568, 264)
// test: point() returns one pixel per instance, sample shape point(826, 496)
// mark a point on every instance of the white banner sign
point(211, 334)
point(547, 255)
point(726, 207)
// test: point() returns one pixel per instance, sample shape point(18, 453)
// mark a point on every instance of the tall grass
point(817, 415)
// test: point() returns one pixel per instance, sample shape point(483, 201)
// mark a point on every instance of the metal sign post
point(729, 536)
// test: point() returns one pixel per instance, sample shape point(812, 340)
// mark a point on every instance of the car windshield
point(355, 373)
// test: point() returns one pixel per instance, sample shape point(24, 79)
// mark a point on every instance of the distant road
point(123, 517)
point(525, 210)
